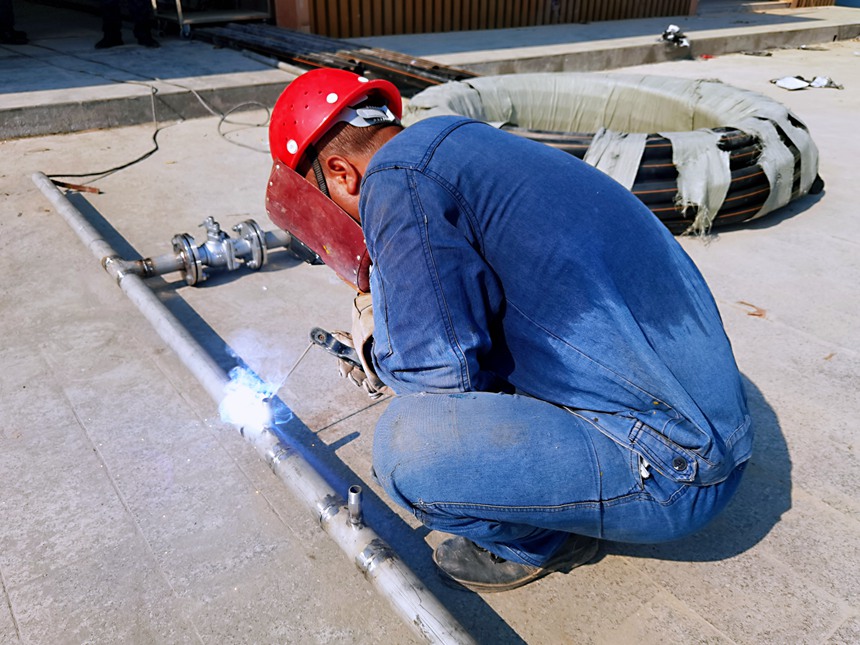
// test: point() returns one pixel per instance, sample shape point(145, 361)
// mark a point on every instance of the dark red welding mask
point(305, 111)
point(297, 206)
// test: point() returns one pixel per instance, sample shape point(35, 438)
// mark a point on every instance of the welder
point(560, 369)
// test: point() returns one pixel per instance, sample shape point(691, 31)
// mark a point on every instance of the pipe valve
point(223, 252)
point(250, 247)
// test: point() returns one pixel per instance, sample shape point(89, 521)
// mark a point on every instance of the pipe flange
point(250, 231)
point(192, 267)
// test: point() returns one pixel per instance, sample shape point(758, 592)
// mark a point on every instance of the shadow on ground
point(792, 209)
point(762, 498)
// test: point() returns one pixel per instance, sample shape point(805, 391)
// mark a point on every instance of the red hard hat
point(310, 105)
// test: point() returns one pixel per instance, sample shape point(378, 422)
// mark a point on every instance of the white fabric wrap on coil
point(621, 109)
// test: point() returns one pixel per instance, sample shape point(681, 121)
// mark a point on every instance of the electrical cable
point(223, 117)
point(146, 155)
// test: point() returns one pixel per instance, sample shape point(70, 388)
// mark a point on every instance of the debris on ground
point(792, 83)
point(757, 312)
point(757, 53)
point(674, 36)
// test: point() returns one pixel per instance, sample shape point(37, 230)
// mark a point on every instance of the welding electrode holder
point(326, 340)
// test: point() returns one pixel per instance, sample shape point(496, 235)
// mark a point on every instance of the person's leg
point(517, 475)
point(144, 19)
point(8, 34)
point(111, 25)
point(7, 16)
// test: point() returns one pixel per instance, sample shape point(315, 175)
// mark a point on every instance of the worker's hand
point(352, 372)
point(361, 339)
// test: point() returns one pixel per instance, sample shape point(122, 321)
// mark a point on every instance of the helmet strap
point(318, 171)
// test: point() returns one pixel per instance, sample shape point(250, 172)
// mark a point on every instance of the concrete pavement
point(130, 513)
point(60, 83)
point(623, 43)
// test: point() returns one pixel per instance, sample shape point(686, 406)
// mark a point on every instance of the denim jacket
point(501, 264)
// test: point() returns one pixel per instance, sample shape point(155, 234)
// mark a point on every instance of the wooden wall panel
point(356, 18)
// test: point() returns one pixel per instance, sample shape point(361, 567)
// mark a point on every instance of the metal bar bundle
point(309, 50)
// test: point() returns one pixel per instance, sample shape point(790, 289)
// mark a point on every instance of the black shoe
point(477, 569)
point(109, 41)
point(13, 37)
point(143, 32)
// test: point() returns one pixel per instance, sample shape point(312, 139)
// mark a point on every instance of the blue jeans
point(516, 475)
point(504, 265)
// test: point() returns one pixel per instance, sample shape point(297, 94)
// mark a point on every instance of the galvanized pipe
point(353, 505)
point(415, 604)
point(276, 238)
point(150, 267)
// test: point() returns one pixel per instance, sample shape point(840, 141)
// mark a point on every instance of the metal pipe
point(174, 333)
point(408, 596)
point(353, 505)
point(277, 238)
point(149, 267)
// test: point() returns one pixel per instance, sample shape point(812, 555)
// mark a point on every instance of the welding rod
point(408, 596)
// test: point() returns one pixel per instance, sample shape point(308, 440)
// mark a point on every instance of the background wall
point(356, 18)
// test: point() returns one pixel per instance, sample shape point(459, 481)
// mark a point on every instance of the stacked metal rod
point(408, 73)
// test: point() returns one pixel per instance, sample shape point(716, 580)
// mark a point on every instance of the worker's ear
point(344, 174)
point(343, 179)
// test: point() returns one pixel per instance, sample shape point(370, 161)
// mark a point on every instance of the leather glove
point(361, 339)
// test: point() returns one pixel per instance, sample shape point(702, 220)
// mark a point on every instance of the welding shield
point(299, 208)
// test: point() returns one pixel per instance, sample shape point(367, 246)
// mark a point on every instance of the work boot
point(13, 37)
point(477, 569)
point(143, 33)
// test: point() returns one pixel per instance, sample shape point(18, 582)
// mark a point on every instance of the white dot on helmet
point(331, 98)
point(292, 146)
point(361, 79)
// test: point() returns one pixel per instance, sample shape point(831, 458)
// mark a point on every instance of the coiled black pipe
point(656, 182)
